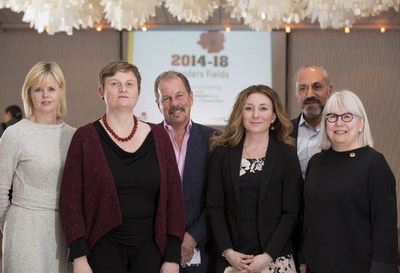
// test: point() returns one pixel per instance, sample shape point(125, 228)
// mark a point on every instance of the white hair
point(349, 102)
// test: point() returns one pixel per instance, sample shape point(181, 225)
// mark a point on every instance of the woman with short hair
point(121, 200)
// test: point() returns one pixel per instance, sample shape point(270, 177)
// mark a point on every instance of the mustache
point(174, 109)
point(311, 100)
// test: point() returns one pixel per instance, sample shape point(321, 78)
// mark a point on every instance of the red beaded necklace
point(117, 136)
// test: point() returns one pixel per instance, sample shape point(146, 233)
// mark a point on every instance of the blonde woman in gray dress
point(32, 156)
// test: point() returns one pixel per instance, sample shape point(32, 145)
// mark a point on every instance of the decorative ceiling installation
point(264, 15)
point(55, 16)
point(192, 10)
point(340, 13)
point(260, 15)
point(129, 14)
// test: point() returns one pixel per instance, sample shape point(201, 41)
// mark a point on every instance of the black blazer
point(278, 198)
point(295, 131)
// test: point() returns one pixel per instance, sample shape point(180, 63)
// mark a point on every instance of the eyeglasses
point(346, 117)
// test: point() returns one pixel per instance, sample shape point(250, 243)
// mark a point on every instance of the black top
point(350, 213)
point(137, 181)
point(248, 236)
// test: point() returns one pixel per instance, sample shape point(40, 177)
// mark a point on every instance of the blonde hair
point(346, 101)
point(40, 73)
point(235, 131)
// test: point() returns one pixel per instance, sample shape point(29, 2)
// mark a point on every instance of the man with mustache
point(312, 91)
point(190, 140)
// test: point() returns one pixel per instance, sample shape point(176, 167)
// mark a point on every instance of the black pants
point(107, 256)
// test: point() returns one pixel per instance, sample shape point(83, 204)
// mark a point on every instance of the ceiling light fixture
point(192, 11)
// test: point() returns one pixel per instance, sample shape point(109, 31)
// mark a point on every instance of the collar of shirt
point(180, 155)
point(307, 138)
point(303, 122)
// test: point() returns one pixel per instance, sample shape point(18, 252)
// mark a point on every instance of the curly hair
point(235, 131)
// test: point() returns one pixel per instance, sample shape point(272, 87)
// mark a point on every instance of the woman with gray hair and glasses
point(350, 217)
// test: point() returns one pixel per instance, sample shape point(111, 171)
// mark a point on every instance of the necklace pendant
point(352, 154)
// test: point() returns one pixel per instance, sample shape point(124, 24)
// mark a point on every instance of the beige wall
point(80, 56)
point(364, 61)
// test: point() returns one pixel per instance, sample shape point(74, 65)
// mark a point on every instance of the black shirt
point(248, 235)
point(137, 181)
point(350, 213)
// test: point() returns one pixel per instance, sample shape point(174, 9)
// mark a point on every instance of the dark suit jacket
point(295, 131)
point(297, 255)
point(278, 198)
point(194, 191)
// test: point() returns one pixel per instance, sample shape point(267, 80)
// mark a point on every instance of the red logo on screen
point(212, 41)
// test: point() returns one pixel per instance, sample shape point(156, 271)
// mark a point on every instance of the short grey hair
point(327, 78)
point(347, 101)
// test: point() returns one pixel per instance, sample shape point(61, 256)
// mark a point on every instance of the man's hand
point(187, 248)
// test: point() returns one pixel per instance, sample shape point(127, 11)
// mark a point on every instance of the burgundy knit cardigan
point(89, 205)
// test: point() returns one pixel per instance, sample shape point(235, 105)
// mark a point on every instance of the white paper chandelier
point(339, 13)
point(57, 15)
point(129, 14)
point(264, 15)
point(192, 10)
point(64, 15)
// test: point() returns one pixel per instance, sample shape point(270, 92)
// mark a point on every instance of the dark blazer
point(295, 131)
point(297, 255)
point(194, 192)
point(278, 198)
